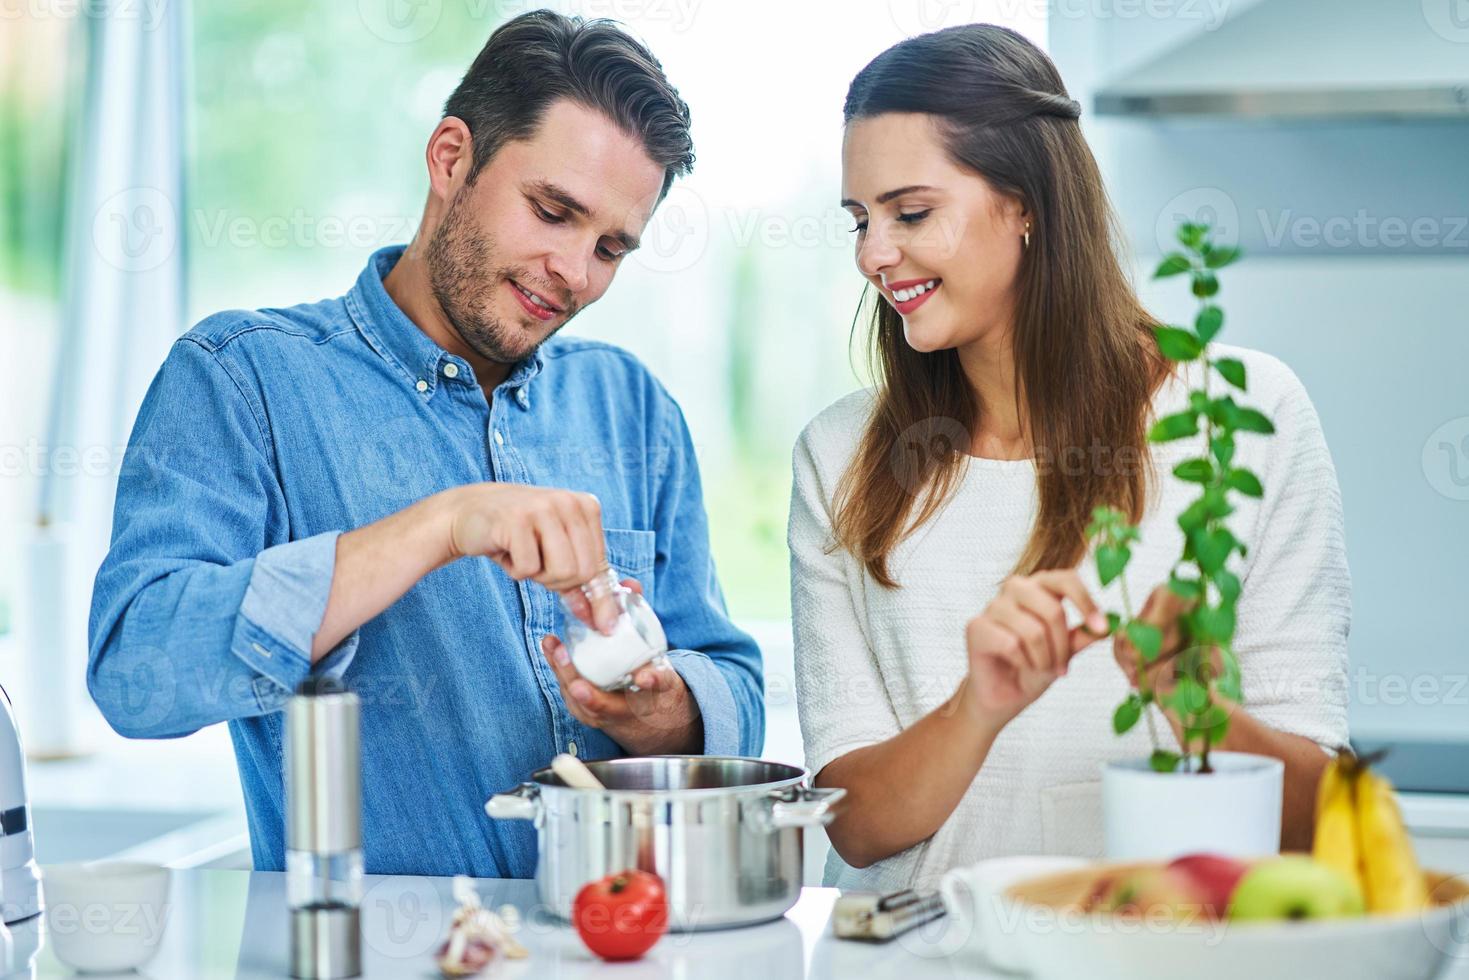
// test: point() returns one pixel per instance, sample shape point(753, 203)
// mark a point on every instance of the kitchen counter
point(233, 924)
point(222, 924)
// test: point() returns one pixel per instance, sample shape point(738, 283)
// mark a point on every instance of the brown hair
point(534, 59)
point(1086, 363)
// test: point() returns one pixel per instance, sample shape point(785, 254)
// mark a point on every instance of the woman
point(1005, 329)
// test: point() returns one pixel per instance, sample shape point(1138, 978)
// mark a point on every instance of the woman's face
point(939, 243)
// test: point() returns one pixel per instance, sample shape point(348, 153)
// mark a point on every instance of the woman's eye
point(913, 217)
point(860, 227)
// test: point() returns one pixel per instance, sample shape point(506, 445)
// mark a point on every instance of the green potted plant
point(1189, 796)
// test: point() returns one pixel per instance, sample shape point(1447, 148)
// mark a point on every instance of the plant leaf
point(1185, 588)
point(1192, 519)
point(1178, 344)
point(1164, 761)
point(1147, 638)
point(1233, 370)
point(1191, 234)
point(1218, 258)
point(1205, 284)
point(1111, 560)
point(1217, 622)
point(1173, 263)
point(1179, 425)
point(1114, 621)
point(1223, 449)
point(1211, 548)
point(1228, 584)
point(1127, 714)
point(1189, 696)
point(1195, 470)
point(1245, 482)
point(1208, 322)
point(1249, 420)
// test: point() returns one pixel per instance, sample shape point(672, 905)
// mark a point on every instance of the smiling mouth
point(540, 304)
point(910, 297)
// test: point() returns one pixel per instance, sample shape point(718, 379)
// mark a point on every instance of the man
point(475, 464)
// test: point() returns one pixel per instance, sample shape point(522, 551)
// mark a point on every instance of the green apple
point(1294, 887)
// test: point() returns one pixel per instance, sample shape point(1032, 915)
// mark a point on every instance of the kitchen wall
point(1356, 273)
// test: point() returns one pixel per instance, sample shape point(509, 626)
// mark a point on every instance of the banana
point(1394, 881)
point(1336, 842)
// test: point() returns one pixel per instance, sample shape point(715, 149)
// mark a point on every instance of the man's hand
point(553, 537)
point(661, 717)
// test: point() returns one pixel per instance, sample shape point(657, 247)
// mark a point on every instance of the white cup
point(105, 916)
point(974, 897)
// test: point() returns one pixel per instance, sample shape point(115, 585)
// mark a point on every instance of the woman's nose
point(875, 253)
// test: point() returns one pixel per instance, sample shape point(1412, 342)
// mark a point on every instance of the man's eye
point(913, 217)
point(608, 254)
point(547, 216)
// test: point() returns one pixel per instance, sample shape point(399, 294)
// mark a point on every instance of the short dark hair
point(539, 57)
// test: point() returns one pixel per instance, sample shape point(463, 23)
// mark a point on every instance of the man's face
point(541, 231)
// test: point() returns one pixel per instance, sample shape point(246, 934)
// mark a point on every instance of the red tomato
point(621, 916)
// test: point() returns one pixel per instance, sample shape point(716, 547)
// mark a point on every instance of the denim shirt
point(265, 435)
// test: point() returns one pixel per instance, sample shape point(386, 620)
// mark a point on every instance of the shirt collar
point(399, 340)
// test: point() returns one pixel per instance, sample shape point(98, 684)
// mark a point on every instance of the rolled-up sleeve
point(840, 695)
point(1295, 607)
point(720, 663)
point(204, 610)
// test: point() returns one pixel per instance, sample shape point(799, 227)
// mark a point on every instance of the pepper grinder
point(324, 830)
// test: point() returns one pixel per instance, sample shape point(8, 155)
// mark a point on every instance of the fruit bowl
point(1059, 935)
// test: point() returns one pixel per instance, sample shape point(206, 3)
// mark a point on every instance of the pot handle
point(521, 803)
point(810, 807)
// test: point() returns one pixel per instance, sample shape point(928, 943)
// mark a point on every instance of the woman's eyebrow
point(887, 196)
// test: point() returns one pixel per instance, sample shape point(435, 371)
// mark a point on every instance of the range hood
point(1301, 59)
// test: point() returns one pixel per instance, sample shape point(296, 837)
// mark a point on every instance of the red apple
point(1212, 879)
point(1153, 891)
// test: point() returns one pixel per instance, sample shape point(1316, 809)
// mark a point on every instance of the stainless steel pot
point(724, 834)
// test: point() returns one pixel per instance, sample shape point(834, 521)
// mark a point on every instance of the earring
point(1026, 236)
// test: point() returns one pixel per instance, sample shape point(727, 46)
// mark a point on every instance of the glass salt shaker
point(637, 639)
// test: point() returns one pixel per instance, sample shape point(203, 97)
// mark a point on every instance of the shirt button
point(499, 439)
point(571, 747)
point(422, 385)
point(451, 370)
point(522, 396)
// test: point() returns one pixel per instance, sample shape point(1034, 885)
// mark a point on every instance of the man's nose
point(571, 268)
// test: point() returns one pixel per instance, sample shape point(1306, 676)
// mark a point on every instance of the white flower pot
point(1234, 810)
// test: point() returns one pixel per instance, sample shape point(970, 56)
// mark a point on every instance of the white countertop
point(222, 924)
point(233, 924)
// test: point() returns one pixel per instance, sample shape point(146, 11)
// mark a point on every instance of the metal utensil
point(724, 833)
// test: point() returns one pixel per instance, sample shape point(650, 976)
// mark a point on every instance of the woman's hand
point(1163, 609)
point(1020, 644)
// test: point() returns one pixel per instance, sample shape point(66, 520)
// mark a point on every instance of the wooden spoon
point(574, 773)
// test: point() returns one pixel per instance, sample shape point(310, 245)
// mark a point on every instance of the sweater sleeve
point(840, 695)
point(1294, 609)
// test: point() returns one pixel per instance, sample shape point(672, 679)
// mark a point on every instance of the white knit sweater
point(871, 661)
